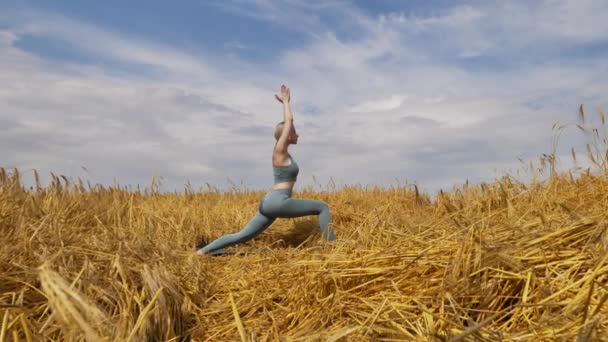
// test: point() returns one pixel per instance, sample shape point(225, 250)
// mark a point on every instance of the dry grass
point(501, 261)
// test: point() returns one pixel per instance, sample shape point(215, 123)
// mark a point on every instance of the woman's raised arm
point(285, 98)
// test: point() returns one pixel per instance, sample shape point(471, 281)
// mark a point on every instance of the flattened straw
point(4, 324)
point(304, 242)
point(588, 301)
point(237, 319)
point(601, 302)
point(26, 328)
point(403, 331)
point(13, 321)
point(345, 332)
point(144, 313)
point(475, 328)
point(65, 302)
point(375, 316)
point(576, 283)
point(524, 298)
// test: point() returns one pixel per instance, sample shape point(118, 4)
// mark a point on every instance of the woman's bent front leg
point(255, 226)
point(296, 207)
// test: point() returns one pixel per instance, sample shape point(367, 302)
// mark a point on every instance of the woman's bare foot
point(215, 252)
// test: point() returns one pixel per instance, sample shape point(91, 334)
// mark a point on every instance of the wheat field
point(499, 261)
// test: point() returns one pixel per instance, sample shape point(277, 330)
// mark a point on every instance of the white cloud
point(103, 43)
point(455, 17)
point(235, 44)
point(7, 38)
point(393, 101)
point(583, 20)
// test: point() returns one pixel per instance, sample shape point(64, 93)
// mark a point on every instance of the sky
point(384, 93)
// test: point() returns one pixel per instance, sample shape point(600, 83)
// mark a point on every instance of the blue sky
point(426, 92)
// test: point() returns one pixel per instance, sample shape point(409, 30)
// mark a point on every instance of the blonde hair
point(278, 130)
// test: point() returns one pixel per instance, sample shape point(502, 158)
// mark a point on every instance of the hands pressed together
point(285, 96)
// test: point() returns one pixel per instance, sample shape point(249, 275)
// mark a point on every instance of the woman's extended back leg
point(253, 228)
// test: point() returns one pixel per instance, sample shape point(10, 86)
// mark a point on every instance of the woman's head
point(293, 136)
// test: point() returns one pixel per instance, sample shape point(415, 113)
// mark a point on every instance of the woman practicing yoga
point(277, 202)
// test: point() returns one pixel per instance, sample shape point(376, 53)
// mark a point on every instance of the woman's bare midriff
point(283, 185)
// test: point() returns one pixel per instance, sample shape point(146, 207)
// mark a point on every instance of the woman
point(278, 202)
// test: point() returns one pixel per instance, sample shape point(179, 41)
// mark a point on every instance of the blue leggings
point(277, 203)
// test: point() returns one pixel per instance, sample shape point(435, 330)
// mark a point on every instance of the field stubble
point(495, 261)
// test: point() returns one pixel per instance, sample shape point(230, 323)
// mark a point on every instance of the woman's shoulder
point(279, 158)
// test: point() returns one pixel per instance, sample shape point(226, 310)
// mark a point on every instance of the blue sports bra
point(287, 173)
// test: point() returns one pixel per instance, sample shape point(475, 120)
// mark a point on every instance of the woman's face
point(294, 136)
